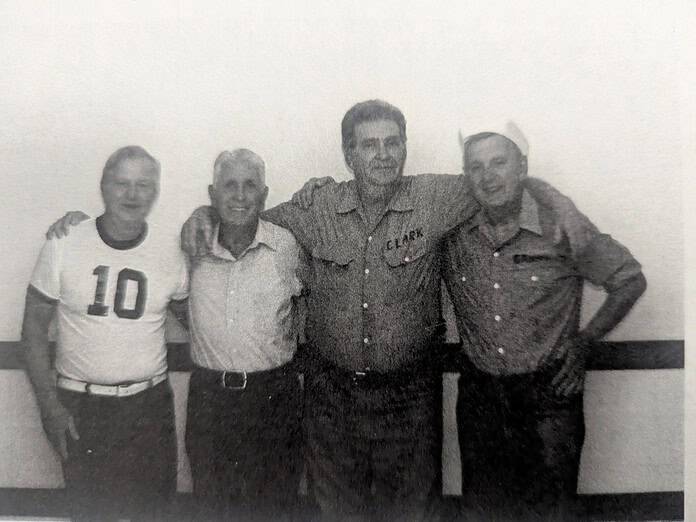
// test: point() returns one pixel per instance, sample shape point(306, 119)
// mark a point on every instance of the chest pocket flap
point(404, 256)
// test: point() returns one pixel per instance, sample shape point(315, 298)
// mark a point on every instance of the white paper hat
point(510, 130)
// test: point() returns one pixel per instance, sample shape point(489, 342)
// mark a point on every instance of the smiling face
point(377, 159)
point(238, 193)
point(130, 189)
point(497, 169)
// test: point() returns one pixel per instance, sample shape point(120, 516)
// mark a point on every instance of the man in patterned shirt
point(515, 273)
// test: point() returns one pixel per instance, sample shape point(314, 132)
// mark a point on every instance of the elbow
point(640, 284)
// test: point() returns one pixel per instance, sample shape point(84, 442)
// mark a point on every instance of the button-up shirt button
point(463, 278)
point(496, 285)
point(366, 340)
point(535, 278)
point(367, 271)
point(496, 254)
point(501, 351)
point(365, 306)
point(497, 318)
point(369, 238)
point(407, 259)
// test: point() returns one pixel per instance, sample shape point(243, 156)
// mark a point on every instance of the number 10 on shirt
point(125, 275)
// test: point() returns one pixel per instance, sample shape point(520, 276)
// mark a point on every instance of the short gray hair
point(242, 157)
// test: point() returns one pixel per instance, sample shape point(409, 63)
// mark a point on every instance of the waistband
point(416, 371)
point(233, 380)
point(114, 390)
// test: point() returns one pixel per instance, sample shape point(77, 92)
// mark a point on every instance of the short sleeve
point(46, 275)
point(182, 289)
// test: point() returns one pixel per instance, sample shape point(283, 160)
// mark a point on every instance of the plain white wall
point(595, 85)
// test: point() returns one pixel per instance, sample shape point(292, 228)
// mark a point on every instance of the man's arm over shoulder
point(307, 224)
point(448, 198)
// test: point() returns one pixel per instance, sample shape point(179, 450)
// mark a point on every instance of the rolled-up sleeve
point(598, 257)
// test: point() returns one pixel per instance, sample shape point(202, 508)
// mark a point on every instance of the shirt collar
point(527, 219)
point(401, 201)
point(529, 214)
point(264, 236)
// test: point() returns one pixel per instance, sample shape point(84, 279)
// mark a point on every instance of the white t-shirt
point(112, 304)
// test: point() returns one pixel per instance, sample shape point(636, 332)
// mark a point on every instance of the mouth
point(131, 206)
point(382, 168)
point(491, 190)
point(237, 210)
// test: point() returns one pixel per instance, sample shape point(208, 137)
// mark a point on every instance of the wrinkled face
point(130, 190)
point(238, 194)
point(379, 154)
point(497, 170)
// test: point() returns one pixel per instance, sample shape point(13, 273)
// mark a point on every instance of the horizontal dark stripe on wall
point(634, 506)
point(623, 355)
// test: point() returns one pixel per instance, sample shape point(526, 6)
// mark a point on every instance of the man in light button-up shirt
point(243, 424)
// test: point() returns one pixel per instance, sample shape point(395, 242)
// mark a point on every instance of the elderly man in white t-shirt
point(109, 411)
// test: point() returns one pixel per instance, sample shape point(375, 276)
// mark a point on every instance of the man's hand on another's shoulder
point(61, 228)
point(197, 234)
point(304, 197)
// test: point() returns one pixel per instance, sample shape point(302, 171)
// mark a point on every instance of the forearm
point(617, 304)
point(179, 309)
point(37, 352)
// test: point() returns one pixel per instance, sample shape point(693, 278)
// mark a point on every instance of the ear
point(348, 157)
point(211, 194)
point(523, 167)
point(265, 195)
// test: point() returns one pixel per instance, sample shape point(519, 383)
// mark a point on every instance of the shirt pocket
point(331, 266)
point(408, 271)
point(539, 272)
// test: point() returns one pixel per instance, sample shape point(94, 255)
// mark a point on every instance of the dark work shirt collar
point(528, 218)
point(401, 201)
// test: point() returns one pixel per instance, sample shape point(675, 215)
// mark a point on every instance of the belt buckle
point(358, 376)
point(242, 387)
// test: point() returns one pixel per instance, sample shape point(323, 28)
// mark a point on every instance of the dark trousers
point(373, 444)
point(520, 446)
point(244, 445)
point(124, 463)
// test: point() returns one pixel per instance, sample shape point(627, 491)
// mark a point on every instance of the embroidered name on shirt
point(404, 240)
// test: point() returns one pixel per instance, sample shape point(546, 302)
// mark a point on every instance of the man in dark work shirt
point(515, 272)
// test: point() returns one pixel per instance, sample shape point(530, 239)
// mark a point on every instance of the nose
point(238, 194)
point(132, 191)
point(488, 174)
point(382, 151)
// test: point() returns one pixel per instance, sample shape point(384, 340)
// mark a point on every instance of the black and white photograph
point(348, 261)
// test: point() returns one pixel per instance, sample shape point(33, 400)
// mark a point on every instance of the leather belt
point(232, 380)
point(113, 390)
